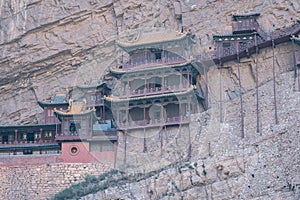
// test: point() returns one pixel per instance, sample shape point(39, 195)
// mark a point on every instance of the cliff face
point(50, 46)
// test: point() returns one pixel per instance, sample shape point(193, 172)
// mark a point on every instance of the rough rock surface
point(50, 46)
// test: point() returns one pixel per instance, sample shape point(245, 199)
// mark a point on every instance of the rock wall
point(43, 181)
point(50, 46)
point(224, 165)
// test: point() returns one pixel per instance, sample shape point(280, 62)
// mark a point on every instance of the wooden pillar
point(125, 146)
point(16, 136)
point(180, 115)
point(162, 113)
point(294, 59)
point(145, 144)
point(256, 86)
point(220, 93)
point(274, 83)
point(180, 80)
point(241, 98)
point(127, 117)
point(206, 87)
point(42, 136)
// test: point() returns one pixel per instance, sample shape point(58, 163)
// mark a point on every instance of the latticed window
point(172, 110)
point(66, 127)
point(11, 137)
point(172, 80)
point(107, 146)
point(137, 113)
point(74, 126)
point(101, 147)
point(95, 147)
point(50, 113)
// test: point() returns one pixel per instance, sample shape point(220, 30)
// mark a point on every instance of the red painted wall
point(83, 155)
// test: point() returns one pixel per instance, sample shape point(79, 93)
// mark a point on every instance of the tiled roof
point(58, 100)
point(143, 37)
point(234, 35)
point(75, 108)
point(90, 86)
point(236, 16)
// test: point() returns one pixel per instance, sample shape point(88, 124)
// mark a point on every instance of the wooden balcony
point(98, 102)
point(154, 123)
point(153, 63)
point(264, 40)
point(154, 91)
point(28, 143)
point(72, 136)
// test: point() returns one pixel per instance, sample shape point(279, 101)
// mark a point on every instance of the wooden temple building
point(248, 37)
point(153, 86)
point(156, 84)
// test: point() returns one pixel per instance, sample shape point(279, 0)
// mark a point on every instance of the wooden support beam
point(220, 92)
point(274, 83)
point(241, 99)
point(256, 86)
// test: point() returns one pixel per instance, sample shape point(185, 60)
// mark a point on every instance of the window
point(50, 113)
point(37, 136)
point(74, 126)
point(158, 56)
point(48, 134)
point(93, 98)
point(106, 146)
point(226, 44)
point(65, 127)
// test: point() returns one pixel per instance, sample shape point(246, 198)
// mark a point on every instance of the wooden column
point(274, 83)
point(145, 144)
point(256, 86)
point(127, 117)
point(42, 136)
point(125, 146)
point(220, 93)
point(241, 98)
point(16, 136)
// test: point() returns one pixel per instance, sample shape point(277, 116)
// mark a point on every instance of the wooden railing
point(154, 123)
point(98, 102)
point(263, 40)
point(153, 91)
point(153, 63)
point(28, 143)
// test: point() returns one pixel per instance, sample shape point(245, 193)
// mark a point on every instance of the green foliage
point(112, 178)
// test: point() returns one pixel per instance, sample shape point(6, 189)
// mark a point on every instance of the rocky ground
point(223, 165)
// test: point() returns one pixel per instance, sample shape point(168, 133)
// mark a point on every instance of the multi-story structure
point(248, 37)
point(156, 85)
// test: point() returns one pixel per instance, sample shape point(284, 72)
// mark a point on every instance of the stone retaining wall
point(43, 181)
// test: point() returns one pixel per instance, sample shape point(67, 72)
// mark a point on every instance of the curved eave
point(215, 37)
point(116, 99)
point(127, 46)
point(238, 16)
point(44, 104)
point(297, 40)
point(61, 114)
point(87, 87)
